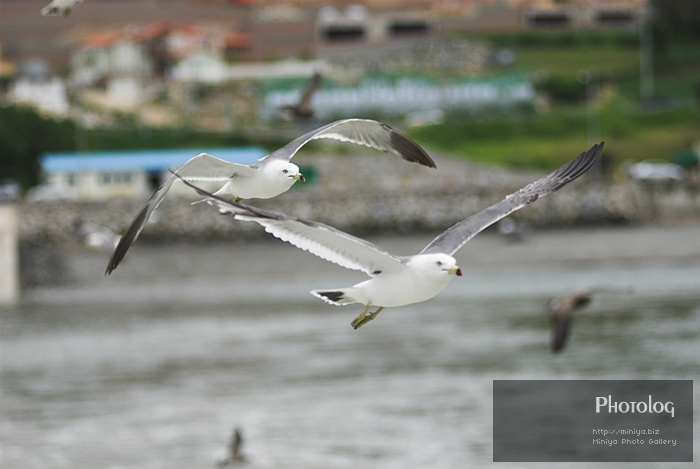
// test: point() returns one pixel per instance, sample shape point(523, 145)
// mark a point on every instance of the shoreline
point(365, 194)
point(221, 270)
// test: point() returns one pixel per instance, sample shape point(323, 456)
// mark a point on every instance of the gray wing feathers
point(327, 243)
point(455, 237)
point(204, 167)
point(561, 325)
point(201, 167)
point(321, 240)
point(365, 132)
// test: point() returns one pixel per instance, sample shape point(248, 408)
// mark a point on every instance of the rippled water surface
point(153, 366)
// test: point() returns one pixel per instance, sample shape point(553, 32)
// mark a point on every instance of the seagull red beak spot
point(458, 273)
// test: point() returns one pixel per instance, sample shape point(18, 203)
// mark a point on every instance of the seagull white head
point(438, 266)
point(283, 172)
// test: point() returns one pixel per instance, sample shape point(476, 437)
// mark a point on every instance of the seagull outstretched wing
point(457, 236)
point(365, 132)
point(202, 167)
point(321, 240)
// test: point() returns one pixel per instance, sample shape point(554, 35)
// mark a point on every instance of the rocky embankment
point(360, 194)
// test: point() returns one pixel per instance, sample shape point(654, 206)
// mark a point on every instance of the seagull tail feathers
point(338, 297)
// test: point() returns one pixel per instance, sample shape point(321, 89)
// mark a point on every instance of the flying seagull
point(60, 7)
point(303, 109)
point(561, 313)
point(272, 175)
point(235, 455)
point(396, 280)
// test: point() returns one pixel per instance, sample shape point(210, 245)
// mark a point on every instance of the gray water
point(154, 365)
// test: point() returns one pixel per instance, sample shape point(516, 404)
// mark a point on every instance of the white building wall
point(201, 67)
point(89, 65)
point(49, 96)
point(124, 89)
point(127, 58)
point(92, 186)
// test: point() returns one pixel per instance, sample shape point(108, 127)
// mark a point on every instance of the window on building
point(343, 33)
point(547, 19)
point(615, 18)
point(154, 180)
point(115, 178)
point(409, 28)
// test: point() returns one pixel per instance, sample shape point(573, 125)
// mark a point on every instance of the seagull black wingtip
point(409, 150)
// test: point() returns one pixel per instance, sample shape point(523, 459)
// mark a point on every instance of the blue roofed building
point(96, 176)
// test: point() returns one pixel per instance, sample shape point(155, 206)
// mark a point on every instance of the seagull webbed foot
point(365, 317)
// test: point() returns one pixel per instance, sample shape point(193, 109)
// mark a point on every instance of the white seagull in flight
point(397, 280)
point(60, 7)
point(272, 175)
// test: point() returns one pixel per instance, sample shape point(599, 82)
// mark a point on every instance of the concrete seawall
point(358, 212)
point(9, 263)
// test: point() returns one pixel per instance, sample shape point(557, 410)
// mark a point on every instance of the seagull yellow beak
point(455, 271)
point(299, 177)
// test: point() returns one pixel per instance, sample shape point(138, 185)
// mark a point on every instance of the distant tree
point(678, 19)
point(24, 136)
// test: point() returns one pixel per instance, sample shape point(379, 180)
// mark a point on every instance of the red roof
point(159, 28)
point(237, 40)
point(100, 40)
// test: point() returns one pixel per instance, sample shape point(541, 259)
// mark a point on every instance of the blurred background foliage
point(547, 141)
point(542, 136)
point(25, 134)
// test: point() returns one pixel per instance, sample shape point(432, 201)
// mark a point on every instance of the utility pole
point(9, 253)
point(646, 58)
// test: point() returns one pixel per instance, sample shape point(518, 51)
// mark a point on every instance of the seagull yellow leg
point(365, 317)
point(358, 320)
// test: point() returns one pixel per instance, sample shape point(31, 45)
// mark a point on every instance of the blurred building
point(139, 55)
point(400, 94)
point(358, 23)
point(32, 84)
point(286, 28)
point(96, 176)
point(203, 62)
point(610, 14)
point(48, 95)
point(279, 32)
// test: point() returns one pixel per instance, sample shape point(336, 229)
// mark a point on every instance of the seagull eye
point(438, 263)
point(285, 171)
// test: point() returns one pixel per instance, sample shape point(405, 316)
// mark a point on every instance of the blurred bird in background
point(60, 7)
point(303, 110)
point(561, 311)
point(235, 455)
